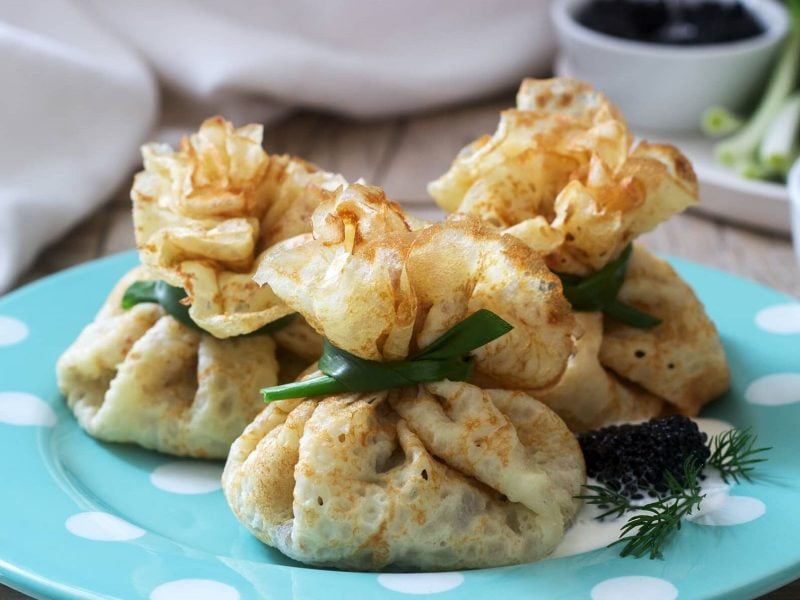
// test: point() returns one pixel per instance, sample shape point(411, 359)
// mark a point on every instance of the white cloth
point(81, 80)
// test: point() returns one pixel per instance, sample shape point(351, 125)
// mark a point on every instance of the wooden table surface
point(402, 155)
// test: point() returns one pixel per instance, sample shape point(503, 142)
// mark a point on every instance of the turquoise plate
point(84, 519)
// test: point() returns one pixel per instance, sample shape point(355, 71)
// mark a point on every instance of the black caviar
point(633, 459)
point(677, 22)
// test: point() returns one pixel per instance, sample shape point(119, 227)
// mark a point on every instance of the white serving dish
point(723, 192)
point(667, 87)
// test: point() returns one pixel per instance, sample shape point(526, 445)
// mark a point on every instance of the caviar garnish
point(617, 457)
point(635, 460)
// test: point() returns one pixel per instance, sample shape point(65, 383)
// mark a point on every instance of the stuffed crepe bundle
point(204, 213)
point(561, 174)
point(187, 384)
point(438, 475)
point(141, 376)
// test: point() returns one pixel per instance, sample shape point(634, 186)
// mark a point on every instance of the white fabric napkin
point(81, 81)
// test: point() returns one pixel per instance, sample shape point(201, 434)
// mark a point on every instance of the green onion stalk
point(172, 299)
point(446, 358)
point(598, 292)
point(766, 145)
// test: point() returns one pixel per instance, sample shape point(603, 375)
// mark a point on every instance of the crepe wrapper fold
point(434, 476)
point(682, 359)
point(623, 373)
point(140, 376)
point(379, 289)
point(204, 213)
point(440, 476)
point(561, 173)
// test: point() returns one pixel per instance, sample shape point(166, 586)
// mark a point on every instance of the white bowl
point(793, 184)
point(665, 87)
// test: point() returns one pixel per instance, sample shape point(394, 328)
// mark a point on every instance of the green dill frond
point(733, 454)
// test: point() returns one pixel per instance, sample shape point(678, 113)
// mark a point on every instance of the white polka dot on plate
point(187, 477)
point(634, 586)
point(102, 527)
point(733, 510)
point(194, 589)
point(21, 408)
point(12, 331)
point(780, 318)
point(420, 583)
point(774, 390)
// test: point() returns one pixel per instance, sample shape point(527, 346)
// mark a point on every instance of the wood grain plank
point(430, 142)
point(354, 149)
point(762, 257)
point(82, 243)
point(122, 197)
point(766, 258)
point(119, 231)
point(295, 135)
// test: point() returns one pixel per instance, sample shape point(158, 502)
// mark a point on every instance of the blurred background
point(92, 80)
point(380, 90)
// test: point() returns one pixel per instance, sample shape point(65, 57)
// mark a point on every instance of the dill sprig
point(646, 532)
point(606, 499)
point(734, 454)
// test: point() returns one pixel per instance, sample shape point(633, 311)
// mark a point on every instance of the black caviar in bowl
point(674, 22)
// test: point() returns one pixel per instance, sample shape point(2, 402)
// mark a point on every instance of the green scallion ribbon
point(447, 357)
point(598, 292)
point(170, 298)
